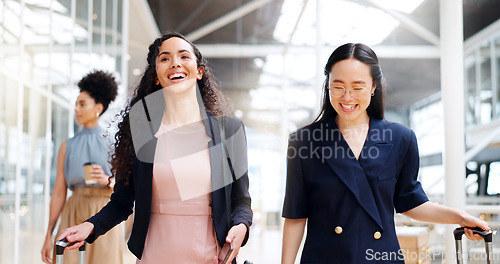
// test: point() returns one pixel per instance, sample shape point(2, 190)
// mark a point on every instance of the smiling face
point(176, 66)
point(86, 109)
point(354, 77)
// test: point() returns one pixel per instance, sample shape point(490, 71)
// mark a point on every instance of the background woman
point(368, 168)
point(168, 162)
point(97, 90)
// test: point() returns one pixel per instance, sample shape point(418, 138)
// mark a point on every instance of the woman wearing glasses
point(350, 169)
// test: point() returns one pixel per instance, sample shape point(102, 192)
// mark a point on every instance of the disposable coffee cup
point(87, 169)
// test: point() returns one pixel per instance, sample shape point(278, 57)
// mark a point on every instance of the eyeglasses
point(339, 91)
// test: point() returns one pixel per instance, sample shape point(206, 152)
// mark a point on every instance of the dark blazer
point(350, 203)
point(140, 188)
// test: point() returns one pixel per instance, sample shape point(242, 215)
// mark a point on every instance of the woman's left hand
point(235, 237)
point(98, 174)
point(472, 221)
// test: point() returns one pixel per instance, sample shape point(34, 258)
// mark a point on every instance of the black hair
point(101, 86)
point(362, 53)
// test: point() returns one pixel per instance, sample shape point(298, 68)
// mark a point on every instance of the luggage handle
point(487, 235)
point(62, 244)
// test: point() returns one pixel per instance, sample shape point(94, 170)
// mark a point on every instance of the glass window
point(472, 178)
point(60, 68)
point(97, 34)
point(98, 20)
point(33, 172)
point(8, 159)
point(60, 75)
point(497, 72)
point(60, 132)
point(485, 93)
point(119, 39)
point(470, 97)
point(111, 17)
point(66, 4)
point(494, 179)
point(82, 26)
point(11, 11)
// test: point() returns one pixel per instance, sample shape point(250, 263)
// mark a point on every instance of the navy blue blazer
point(139, 190)
point(350, 203)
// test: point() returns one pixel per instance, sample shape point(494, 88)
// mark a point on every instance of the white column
point(318, 80)
point(90, 28)
point(71, 83)
point(48, 127)
point(452, 87)
point(20, 148)
point(125, 39)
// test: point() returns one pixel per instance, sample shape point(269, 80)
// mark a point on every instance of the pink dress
point(181, 227)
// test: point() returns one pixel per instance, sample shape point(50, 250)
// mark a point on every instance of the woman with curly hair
point(97, 90)
point(169, 162)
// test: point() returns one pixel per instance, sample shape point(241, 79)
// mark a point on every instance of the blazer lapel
point(215, 151)
point(376, 149)
point(347, 168)
point(218, 192)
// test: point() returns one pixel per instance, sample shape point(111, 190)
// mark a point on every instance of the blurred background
point(268, 56)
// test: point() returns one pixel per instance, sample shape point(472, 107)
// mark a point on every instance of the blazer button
point(377, 235)
point(338, 230)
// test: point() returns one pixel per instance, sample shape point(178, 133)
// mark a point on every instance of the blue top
point(89, 145)
point(350, 203)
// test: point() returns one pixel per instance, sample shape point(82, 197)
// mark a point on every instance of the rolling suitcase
point(488, 239)
point(61, 246)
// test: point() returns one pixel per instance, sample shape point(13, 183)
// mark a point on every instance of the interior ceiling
point(186, 16)
point(408, 80)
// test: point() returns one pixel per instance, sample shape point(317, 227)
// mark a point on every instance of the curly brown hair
point(122, 159)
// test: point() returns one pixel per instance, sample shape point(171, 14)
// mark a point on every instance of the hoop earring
point(373, 94)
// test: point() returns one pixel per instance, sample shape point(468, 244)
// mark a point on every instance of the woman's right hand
point(77, 233)
point(47, 250)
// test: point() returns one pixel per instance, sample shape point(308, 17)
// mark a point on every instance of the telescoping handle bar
point(61, 246)
point(487, 236)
